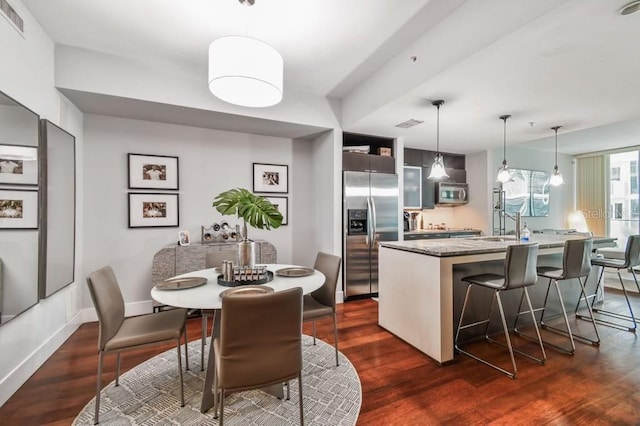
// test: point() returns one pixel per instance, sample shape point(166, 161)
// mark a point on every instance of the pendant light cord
point(504, 147)
point(438, 130)
point(555, 129)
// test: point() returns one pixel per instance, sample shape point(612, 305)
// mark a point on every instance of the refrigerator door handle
point(373, 222)
point(370, 235)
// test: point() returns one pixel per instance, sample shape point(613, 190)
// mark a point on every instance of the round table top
point(207, 296)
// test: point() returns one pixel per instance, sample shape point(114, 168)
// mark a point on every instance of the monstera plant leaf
point(255, 210)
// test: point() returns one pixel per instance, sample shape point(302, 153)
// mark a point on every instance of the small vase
point(247, 253)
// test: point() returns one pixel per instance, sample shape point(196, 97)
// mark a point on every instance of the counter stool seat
point(576, 264)
point(631, 259)
point(519, 272)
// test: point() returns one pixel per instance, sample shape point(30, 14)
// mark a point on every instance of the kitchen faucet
point(516, 218)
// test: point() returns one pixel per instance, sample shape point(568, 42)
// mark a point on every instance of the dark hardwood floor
point(401, 386)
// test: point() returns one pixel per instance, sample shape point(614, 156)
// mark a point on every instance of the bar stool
point(519, 272)
point(576, 263)
point(631, 259)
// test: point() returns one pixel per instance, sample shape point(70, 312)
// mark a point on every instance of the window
point(635, 209)
point(615, 173)
point(617, 210)
point(633, 177)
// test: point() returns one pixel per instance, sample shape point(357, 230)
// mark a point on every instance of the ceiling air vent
point(13, 17)
point(409, 123)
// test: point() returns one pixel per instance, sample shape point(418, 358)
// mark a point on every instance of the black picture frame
point(283, 207)
point(19, 209)
point(271, 178)
point(148, 171)
point(154, 210)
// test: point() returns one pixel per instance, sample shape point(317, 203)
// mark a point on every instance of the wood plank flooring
point(401, 386)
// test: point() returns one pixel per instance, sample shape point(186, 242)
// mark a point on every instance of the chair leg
point(313, 325)
point(180, 372)
point(205, 325)
point(622, 317)
point(118, 369)
point(535, 326)
point(288, 384)
point(222, 407)
point(186, 347)
point(566, 332)
point(98, 388)
point(300, 398)
point(516, 331)
point(506, 335)
point(335, 336)
point(215, 392)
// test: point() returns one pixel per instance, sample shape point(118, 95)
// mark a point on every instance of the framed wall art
point(282, 203)
point(148, 210)
point(153, 172)
point(271, 178)
point(18, 165)
point(18, 209)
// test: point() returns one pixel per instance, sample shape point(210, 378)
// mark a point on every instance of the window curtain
point(591, 193)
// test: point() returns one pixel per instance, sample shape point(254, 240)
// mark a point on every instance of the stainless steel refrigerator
point(370, 215)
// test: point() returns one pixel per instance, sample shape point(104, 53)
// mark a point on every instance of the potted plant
point(254, 210)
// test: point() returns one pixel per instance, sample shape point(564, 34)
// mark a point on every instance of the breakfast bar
point(420, 288)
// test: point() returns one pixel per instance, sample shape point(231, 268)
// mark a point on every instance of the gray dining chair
point(260, 344)
point(118, 334)
point(322, 302)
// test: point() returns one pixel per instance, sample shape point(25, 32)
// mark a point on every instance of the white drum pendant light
point(504, 175)
point(245, 71)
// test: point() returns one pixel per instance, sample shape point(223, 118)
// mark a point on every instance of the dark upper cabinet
point(428, 189)
point(413, 157)
point(454, 164)
point(360, 162)
point(355, 161)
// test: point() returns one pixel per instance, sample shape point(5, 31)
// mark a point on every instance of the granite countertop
point(441, 231)
point(482, 245)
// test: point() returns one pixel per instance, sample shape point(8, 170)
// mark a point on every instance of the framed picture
point(148, 210)
point(18, 165)
point(153, 172)
point(18, 209)
point(183, 238)
point(282, 203)
point(270, 178)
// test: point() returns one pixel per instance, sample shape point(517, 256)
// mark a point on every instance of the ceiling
point(573, 63)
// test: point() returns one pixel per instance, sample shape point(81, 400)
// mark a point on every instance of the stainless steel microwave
point(451, 194)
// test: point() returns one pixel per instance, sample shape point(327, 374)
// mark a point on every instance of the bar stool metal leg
point(627, 318)
point(509, 345)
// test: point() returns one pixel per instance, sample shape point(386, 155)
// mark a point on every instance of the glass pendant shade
point(245, 71)
point(504, 175)
point(556, 176)
point(437, 168)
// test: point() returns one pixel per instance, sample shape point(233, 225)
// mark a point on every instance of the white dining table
point(207, 296)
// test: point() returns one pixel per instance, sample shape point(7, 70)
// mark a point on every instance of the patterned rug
point(149, 394)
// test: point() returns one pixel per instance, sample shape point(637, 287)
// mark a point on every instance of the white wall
point(27, 76)
point(210, 161)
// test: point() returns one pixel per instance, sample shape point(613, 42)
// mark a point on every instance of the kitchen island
point(421, 292)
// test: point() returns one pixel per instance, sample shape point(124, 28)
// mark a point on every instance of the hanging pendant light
point(504, 175)
point(437, 169)
point(245, 71)
point(556, 176)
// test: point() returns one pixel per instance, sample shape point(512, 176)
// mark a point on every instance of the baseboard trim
point(19, 375)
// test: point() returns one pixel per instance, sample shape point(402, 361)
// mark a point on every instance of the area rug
point(149, 394)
